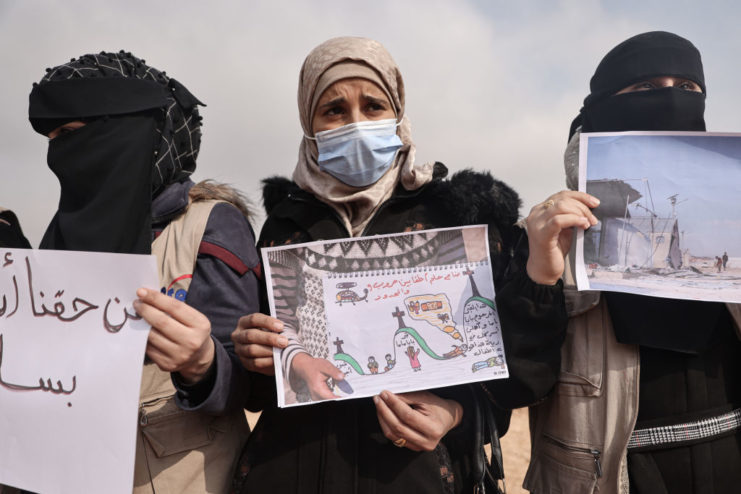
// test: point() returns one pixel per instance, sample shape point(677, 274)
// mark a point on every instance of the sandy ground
point(515, 445)
point(516, 451)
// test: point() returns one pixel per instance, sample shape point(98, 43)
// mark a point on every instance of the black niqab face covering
point(658, 109)
point(641, 58)
point(679, 325)
point(104, 170)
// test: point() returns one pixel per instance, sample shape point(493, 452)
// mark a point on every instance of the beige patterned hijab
point(356, 206)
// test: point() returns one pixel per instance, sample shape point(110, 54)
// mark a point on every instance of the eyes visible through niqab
point(662, 82)
point(66, 128)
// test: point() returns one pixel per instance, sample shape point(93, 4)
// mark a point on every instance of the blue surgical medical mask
point(358, 154)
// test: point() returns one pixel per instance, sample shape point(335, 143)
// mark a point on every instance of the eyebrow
point(337, 101)
point(374, 99)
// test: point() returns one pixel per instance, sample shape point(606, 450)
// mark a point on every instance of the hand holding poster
point(669, 217)
point(71, 353)
point(401, 312)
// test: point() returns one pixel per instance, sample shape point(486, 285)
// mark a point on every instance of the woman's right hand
point(180, 339)
point(549, 232)
point(254, 339)
point(315, 372)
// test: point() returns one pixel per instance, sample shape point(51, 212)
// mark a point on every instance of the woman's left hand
point(420, 418)
point(180, 339)
point(550, 231)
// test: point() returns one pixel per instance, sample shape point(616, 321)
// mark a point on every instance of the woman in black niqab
point(690, 355)
point(124, 138)
point(619, 102)
point(640, 59)
point(141, 133)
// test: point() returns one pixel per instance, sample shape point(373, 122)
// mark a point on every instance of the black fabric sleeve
point(533, 319)
point(223, 294)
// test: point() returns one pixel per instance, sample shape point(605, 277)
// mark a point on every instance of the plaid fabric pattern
point(180, 131)
point(689, 431)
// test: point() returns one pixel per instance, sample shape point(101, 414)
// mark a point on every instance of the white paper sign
point(71, 354)
point(669, 216)
point(402, 312)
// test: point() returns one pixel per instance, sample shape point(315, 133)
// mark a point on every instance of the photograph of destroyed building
point(622, 238)
point(669, 215)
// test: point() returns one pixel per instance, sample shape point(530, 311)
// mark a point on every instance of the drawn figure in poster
point(372, 365)
point(413, 358)
point(490, 362)
point(346, 295)
point(456, 351)
point(390, 363)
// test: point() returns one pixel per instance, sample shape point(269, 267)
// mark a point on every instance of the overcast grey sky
point(490, 84)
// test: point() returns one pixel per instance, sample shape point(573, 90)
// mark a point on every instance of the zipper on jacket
point(596, 454)
point(373, 218)
point(319, 203)
point(337, 217)
point(387, 202)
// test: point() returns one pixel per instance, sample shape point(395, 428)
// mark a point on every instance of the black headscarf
point(142, 133)
point(11, 235)
point(636, 59)
point(680, 325)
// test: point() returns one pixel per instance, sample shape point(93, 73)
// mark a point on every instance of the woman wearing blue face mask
point(356, 176)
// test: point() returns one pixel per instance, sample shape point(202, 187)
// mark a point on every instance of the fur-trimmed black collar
point(473, 197)
point(477, 197)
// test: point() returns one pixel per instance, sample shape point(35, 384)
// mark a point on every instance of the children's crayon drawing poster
point(401, 312)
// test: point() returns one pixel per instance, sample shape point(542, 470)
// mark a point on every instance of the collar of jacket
point(277, 189)
point(281, 194)
point(475, 196)
point(170, 202)
point(466, 198)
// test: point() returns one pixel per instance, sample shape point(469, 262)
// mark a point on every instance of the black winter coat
point(339, 446)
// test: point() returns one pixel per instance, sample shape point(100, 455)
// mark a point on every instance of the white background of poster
point(83, 441)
